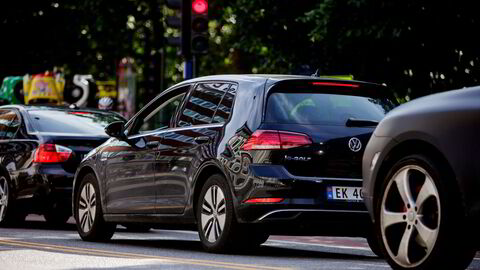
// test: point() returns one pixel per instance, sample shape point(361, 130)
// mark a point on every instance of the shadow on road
point(187, 246)
point(263, 251)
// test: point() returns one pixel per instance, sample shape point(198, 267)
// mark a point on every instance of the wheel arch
point(415, 146)
point(205, 171)
point(76, 184)
point(6, 173)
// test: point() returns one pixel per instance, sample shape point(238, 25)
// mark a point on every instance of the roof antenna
point(316, 74)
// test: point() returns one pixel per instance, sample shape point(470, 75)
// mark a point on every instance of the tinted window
point(160, 118)
point(76, 122)
point(9, 124)
point(225, 107)
point(323, 108)
point(203, 103)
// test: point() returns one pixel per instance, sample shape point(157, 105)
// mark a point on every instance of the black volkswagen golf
point(239, 156)
point(40, 149)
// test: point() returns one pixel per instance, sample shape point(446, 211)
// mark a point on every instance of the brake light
point(264, 200)
point(52, 153)
point(79, 112)
point(273, 139)
point(336, 84)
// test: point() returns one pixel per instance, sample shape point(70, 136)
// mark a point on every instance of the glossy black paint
point(444, 126)
point(41, 187)
point(155, 177)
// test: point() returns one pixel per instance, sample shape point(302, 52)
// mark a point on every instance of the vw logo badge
point(355, 144)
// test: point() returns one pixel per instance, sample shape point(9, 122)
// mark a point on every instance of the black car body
point(274, 148)
point(434, 138)
point(40, 149)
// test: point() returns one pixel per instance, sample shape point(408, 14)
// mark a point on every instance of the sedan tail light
point(52, 153)
point(264, 200)
point(274, 139)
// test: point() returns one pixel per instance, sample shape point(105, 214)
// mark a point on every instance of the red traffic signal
point(199, 6)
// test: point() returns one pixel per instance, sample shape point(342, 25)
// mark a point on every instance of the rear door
point(185, 147)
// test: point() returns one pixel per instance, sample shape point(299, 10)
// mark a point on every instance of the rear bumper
point(305, 209)
point(45, 186)
point(320, 222)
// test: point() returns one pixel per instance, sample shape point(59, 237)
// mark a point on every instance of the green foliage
point(414, 46)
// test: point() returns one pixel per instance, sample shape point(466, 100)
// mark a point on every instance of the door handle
point(153, 144)
point(202, 139)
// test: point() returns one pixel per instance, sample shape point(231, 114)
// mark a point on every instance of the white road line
point(384, 265)
point(319, 245)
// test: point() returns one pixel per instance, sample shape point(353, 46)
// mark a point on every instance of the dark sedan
point(40, 149)
point(239, 156)
point(421, 181)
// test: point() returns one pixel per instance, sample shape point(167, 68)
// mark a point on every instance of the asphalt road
point(36, 246)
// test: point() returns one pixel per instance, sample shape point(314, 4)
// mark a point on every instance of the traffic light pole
point(195, 66)
point(188, 69)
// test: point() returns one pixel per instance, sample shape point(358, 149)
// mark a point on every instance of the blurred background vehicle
point(40, 148)
point(421, 181)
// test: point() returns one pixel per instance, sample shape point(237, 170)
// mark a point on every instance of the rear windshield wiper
point(352, 122)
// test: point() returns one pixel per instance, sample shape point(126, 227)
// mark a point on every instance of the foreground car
point(421, 181)
point(40, 149)
point(240, 156)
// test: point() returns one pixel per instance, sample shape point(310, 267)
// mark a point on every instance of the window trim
point(134, 120)
point(174, 129)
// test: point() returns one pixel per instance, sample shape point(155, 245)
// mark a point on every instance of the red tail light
point(264, 200)
point(52, 153)
point(336, 84)
point(273, 139)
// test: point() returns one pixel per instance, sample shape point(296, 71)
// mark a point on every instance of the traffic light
point(181, 22)
point(199, 27)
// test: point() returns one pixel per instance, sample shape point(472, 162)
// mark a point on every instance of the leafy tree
point(416, 47)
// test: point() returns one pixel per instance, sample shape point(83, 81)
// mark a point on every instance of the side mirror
point(115, 129)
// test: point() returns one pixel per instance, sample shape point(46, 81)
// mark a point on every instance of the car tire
point(218, 230)
point(89, 220)
point(9, 215)
point(373, 243)
point(419, 217)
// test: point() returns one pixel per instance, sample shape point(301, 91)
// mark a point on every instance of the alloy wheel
point(87, 207)
point(3, 197)
point(410, 216)
point(213, 213)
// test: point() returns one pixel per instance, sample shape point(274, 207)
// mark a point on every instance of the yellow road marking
point(99, 252)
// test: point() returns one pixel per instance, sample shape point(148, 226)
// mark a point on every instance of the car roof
point(270, 79)
point(56, 108)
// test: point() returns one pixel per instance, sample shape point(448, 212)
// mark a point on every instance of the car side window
point(159, 114)
point(160, 118)
point(9, 124)
point(203, 103)
point(225, 107)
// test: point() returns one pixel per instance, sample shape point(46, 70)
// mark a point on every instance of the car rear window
point(324, 107)
point(73, 122)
